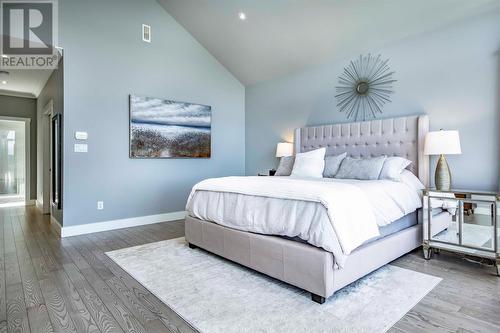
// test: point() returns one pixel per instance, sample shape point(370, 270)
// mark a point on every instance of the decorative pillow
point(361, 168)
point(286, 165)
point(332, 165)
point(310, 164)
point(393, 167)
point(408, 178)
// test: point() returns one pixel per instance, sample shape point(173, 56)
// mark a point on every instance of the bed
point(315, 265)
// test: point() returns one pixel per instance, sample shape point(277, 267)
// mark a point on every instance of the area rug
point(215, 295)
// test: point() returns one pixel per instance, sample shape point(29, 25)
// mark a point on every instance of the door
point(12, 162)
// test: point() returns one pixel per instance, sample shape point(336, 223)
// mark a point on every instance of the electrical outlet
point(100, 205)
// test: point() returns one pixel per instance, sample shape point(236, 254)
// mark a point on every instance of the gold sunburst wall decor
point(365, 87)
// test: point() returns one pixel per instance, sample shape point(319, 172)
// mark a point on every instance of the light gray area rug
point(215, 295)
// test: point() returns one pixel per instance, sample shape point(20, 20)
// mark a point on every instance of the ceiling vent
point(146, 33)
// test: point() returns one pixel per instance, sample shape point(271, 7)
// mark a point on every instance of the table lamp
point(442, 143)
point(284, 149)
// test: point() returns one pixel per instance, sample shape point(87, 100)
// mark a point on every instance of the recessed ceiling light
point(242, 16)
point(4, 76)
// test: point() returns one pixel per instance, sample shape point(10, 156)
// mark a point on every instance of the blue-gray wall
point(105, 61)
point(452, 74)
point(23, 107)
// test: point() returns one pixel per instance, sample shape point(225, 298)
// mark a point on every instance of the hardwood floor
point(70, 285)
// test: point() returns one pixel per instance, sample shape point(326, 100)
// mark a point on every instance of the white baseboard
point(39, 205)
point(30, 202)
point(120, 224)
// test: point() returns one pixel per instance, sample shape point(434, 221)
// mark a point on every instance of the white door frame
point(47, 113)
point(27, 158)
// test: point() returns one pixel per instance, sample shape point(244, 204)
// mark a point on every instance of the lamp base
point(442, 177)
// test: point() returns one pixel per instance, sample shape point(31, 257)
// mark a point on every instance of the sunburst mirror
point(364, 87)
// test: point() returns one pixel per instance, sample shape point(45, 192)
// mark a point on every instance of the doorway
point(14, 161)
point(51, 159)
point(48, 111)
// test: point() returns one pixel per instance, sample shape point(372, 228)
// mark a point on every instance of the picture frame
point(163, 128)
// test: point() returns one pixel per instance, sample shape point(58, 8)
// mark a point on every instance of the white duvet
point(337, 215)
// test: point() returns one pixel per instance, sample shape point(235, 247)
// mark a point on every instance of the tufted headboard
point(402, 136)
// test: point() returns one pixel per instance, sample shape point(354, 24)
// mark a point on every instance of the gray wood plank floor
point(70, 285)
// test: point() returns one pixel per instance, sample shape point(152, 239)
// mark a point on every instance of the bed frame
point(312, 268)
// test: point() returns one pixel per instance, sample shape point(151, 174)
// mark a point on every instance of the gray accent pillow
point(332, 165)
point(361, 168)
point(285, 167)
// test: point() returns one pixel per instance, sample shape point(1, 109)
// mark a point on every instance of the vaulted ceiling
point(280, 37)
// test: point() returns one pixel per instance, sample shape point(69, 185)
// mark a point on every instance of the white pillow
point(393, 166)
point(310, 164)
point(408, 178)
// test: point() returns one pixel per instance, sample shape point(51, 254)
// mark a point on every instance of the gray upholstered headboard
point(402, 136)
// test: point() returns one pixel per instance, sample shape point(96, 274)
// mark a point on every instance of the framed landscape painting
point(161, 128)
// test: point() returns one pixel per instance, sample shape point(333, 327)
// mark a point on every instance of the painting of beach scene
point(161, 128)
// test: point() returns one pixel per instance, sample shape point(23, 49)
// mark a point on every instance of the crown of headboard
point(402, 136)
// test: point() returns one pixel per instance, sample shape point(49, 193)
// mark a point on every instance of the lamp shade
point(442, 142)
point(284, 149)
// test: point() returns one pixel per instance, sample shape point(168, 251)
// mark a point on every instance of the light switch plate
point(81, 135)
point(81, 148)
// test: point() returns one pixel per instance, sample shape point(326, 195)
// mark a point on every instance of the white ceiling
point(25, 83)
point(283, 36)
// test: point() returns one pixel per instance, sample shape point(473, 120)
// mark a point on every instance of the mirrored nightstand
point(462, 221)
